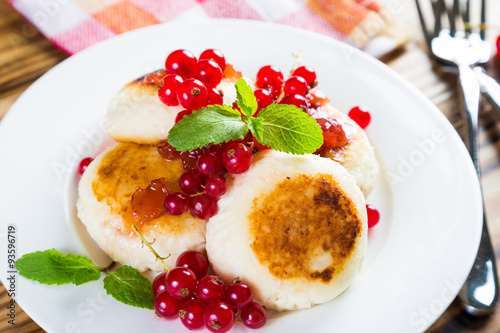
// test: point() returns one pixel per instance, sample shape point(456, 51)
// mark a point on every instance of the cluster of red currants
point(204, 300)
point(272, 87)
point(202, 181)
point(191, 82)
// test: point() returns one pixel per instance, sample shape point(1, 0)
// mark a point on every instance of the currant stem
point(148, 244)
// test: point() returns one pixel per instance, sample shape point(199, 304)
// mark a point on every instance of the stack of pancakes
point(294, 227)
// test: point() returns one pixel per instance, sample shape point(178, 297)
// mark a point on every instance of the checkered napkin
point(73, 25)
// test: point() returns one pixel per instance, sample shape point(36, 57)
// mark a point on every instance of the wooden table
point(25, 55)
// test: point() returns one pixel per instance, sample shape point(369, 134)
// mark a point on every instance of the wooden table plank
point(25, 55)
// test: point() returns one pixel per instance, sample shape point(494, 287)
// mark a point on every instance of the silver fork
point(463, 50)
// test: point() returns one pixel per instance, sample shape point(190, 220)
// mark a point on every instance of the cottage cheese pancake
point(104, 207)
point(139, 116)
point(358, 156)
point(294, 227)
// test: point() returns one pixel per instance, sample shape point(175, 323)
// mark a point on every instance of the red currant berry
point(264, 98)
point(237, 158)
point(259, 145)
point(195, 261)
point(192, 94)
point(360, 115)
point(159, 283)
point(218, 317)
point(166, 306)
point(209, 165)
point(498, 46)
point(307, 73)
point(167, 89)
point(253, 315)
point(181, 282)
point(180, 62)
point(217, 149)
point(373, 215)
point(215, 55)
point(214, 97)
point(181, 115)
point(211, 288)
point(239, 295)
point(297, 100)
point(167, 151)
point(190, 182)
point(208, 72)
point(83, 165)
point(269, 75)
point(191, 314)
point(202, 206)
point(176, 203)
point(295, 85)
point(334, 135)
point(215, 186)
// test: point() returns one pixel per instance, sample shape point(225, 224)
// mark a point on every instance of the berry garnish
point(253, 315)
point(181, 282)
point(208, 72)
point(189, 160)
point(215, 55)
point(195, 261)
point(269, 75)
point(334, 135)
point(214, 96)
point(167, 306)
point(264, 98)
point(238, 295)
point(237, 158)
point(180, 62)
point(317, 98)
point(190, 182)
point(211, 288)
point(192, 94)
point(295, 85)
point(307, 73)
point(181, 115)
point(83, 165)
point(297, 100)
point(373, 215)
point(191, 314)
point(167, 151)
point(218, 317)
point(209, 165)
point(176, 203)
point(360, 115)
point(159, 283)
point(147, 204)
point(215, 186)
point(155, 77)
point(498, 46)
point(203, 206)
point(167, 89)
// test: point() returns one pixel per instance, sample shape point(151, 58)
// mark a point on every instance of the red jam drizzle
point(147, 204)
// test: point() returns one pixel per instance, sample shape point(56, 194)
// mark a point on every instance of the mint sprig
point(53, 267)
point(125, 284)
point(129, 286)
point(279, 126)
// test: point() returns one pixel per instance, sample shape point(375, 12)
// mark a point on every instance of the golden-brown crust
point(306, 228)
point(127, 168)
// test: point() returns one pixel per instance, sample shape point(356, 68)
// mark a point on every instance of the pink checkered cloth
point(73, 25)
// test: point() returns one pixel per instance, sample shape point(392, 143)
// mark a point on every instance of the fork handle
point(489, 87)
point(479, 294)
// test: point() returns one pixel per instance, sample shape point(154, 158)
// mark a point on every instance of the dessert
point(294, 227)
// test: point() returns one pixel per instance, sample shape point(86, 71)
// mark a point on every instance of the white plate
point(418, 256)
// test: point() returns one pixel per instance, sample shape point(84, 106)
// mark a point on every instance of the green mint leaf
point(255, 125)
point(246, 100)
point(213, 124)
point(289, 129)
point(129, 286)
point(53, 267)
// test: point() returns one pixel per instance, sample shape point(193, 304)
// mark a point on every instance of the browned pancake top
point(302, 218)
point(128, 167)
